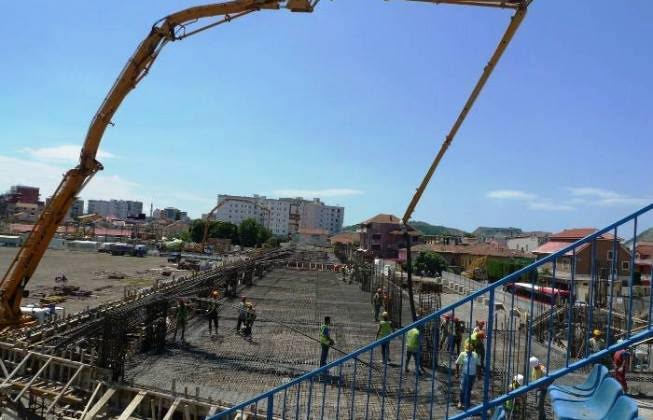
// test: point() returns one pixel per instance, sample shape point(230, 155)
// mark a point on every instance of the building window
point(625, 265)
point(609, 255)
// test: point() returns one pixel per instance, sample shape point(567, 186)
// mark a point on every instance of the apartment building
point(121, 209)
point(283, 216)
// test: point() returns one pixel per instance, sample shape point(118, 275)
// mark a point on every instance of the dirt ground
point(89, 271)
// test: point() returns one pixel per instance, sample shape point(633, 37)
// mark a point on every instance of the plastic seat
point(499, 414)
point(593, 408)
point(587, 388)
point(624, 409)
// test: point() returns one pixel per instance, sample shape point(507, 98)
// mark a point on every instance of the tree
point(263, 235)
point(429, 262)
point(217, 229)
point(248, 231)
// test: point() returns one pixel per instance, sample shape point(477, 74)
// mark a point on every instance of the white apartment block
point(236, 209)
point(282, 216)
point(116, 208)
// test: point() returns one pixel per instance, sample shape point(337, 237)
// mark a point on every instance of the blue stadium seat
point(595, 407)
point(499, 414)
point(594, 379)
point(624, 409)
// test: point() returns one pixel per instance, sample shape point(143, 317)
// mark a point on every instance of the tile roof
point(383, 218)
point(645, 249)
point(345, 238)
point(576, 234)
point(554, 246)
point(481, 249)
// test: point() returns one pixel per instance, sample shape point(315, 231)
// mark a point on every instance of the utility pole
point(409, 273)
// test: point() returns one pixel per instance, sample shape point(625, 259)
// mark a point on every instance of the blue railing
point(591, 285)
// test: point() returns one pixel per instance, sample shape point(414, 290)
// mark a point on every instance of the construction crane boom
point(515, 21)
point(174, 27)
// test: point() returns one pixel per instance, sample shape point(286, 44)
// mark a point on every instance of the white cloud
point(534, 201)
point(606, 198)
point(61, 153)
point(47, 177)
point(550, 206)
point(328, 192)
point(511, 195)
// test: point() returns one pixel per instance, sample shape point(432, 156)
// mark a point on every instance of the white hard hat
point(533, 361)
point(519, 378)
point(621, 340)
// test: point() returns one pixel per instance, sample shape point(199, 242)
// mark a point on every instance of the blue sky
point(349, 103)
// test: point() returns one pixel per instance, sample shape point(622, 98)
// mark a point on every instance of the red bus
point(539, 293)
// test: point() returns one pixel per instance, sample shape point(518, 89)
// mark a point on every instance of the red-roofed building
point(644, 260)
point(383, 236)
point(601, 253)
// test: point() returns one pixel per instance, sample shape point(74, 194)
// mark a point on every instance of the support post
point(409, 274)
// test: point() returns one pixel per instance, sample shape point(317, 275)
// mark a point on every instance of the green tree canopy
point(217, 229)
point(252, 233)
point(430, 263)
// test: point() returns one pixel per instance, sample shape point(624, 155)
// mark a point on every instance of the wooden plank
point(63, 390)
point(31, 381)
point(5, 372)
point(100, 404)
point(90, 400)
point(172, 409)
point(133, 405)
point(15, 371)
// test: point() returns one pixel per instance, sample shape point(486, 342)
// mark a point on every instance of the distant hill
point(493, 232)
point(644, 236)
point(429, 229)
point(424, 227)
point(350, 228)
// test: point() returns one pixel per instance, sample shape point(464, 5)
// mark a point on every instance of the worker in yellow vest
point(385, 329)
point(325, 340)
point(412, 349)
point(538, 371)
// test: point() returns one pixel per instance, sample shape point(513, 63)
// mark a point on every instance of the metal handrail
point(487, 403)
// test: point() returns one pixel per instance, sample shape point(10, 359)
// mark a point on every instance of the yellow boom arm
point(170, 28)
point(175, 27)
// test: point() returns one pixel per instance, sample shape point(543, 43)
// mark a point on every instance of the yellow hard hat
point(597, 332)
point(385, 315)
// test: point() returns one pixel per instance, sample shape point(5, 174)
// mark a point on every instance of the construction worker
point(412, 349)
point(212, 312)
point(538, 370)
point(477, 344)
point(250, 316)
point(459, 333)
point(596, 343)
point(621, 359)
point(469, 361)
point(515, 405)
point(377, 301)
point(182, 319)
point(447, 333)
point(385, 329)
point(242, 311)
point(325, 340)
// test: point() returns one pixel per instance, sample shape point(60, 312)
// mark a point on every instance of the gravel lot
point(90, 271)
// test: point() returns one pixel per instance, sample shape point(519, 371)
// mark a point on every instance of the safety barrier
point(589, 286)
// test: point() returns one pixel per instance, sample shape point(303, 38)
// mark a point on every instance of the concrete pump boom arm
point(171, 28)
